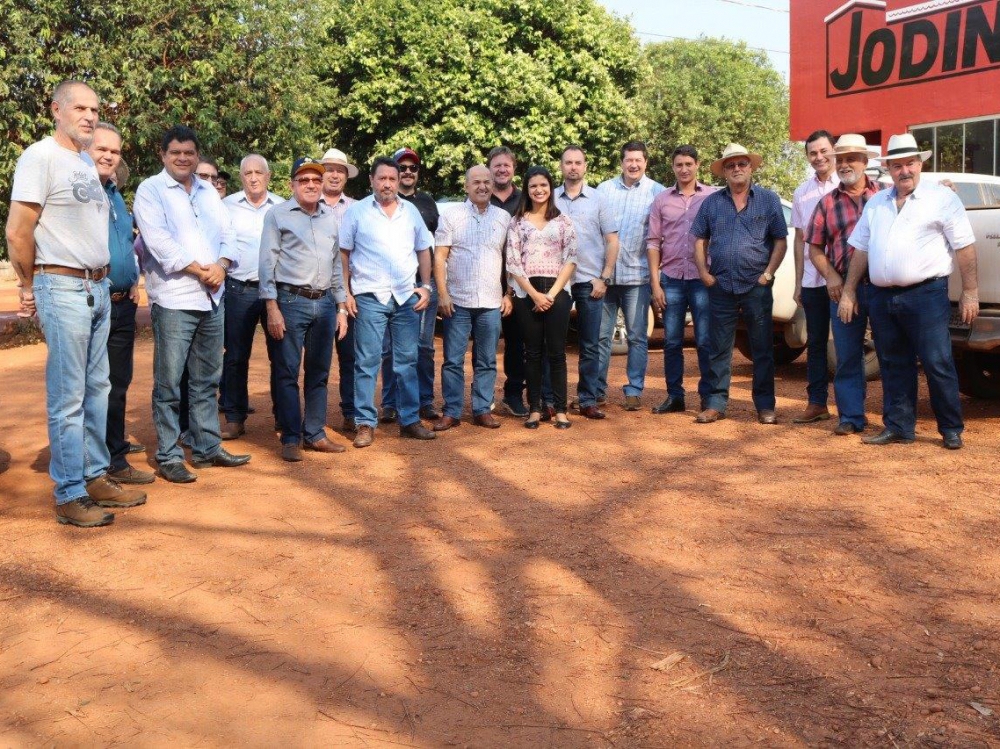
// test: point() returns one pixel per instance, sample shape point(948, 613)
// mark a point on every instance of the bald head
point(479, 186)
point(74, 109)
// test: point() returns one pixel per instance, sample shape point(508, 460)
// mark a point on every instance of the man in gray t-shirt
point(57, 234)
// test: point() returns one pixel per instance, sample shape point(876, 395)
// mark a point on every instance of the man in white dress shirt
point(384, 243)
point(907, 240)
point(189, 248)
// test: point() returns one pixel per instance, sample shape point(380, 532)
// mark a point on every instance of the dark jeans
point(514, 370)
point(345, 368)
point(544, 331)
point(849, 382)
point(121, 345)
point(244, 309)
point(908, 323)
point(589, 313)
point(816, 304)
point(726, 308)
point(310, 325)
point(682, 295)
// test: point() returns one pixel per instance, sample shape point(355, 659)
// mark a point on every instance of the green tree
point(241, 72)
point(454, 78)
point(710, 92)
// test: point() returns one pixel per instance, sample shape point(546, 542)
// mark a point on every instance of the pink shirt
point(670, 219)
point(540, 252)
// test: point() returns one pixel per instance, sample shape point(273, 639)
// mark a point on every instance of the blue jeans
point(425, 357)
point(191, 338)
point(682, 295)
point(373, 319)
point(816, 304)
point(634, 302)
point(755, 307)
point(483, 325)
point(908, 323)
point(76, 379)
point(310, 324)
point(589, 313)
point(244, 309)
point(849, 382)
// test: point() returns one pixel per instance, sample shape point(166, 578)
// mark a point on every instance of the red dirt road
point(513, 588)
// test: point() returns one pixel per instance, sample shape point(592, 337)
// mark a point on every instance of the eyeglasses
point(742, 164)
point(213, 178)
point(412, 168)
point(309, 180)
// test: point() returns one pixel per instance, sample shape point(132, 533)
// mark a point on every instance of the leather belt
point(251, 284)
point(95, 274)
point(303, 291)
point(916, 285)
point(118, 296)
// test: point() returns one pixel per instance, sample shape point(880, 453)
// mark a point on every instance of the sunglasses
point(213, 178)
point(737, 165)
point(413, 168)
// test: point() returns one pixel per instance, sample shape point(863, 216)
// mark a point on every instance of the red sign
point(872, 44)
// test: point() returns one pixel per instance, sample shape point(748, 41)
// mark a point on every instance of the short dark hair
point(383, 161)
point(685, 150)
point(574, 147)
point(182, 134)
point(500, 151)
point(817, 134)
point(636, 145)
point(524, 204)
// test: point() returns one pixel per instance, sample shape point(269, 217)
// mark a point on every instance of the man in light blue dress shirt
point(383, 243)
point(189, 248)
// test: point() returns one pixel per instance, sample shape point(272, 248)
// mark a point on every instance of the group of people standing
point(325, 273)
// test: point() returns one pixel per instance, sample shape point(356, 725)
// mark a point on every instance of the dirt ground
point(512, 588)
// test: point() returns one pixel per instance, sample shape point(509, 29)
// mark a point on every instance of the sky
point(746, 20)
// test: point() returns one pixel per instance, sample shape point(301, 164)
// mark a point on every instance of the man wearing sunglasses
point(409, 174)
point(742, 230)
point(209, 171)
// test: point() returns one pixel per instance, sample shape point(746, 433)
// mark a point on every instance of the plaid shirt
point(832, 222)
point(630, 208)
point(476, 258)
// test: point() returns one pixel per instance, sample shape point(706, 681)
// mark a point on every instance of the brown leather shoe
point(83, 513)
point(416, 431)
point(633, 403)
point(291, 452)
point(130, 475)
point(813, 412)
point(845, 427)
point(445, 423)
point(233, 429)
point(592, 412)
point(106, 492)
point(708, 416)
point(767, 416)
point(366, 435)
point(487, 420)
point(325, 446)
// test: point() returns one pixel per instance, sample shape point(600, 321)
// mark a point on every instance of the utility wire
point(754, 5)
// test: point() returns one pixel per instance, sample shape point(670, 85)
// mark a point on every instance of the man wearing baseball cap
point(409, 174)
point(907, 240)
point(303, 289)
point(339, 169)
point(742, 230)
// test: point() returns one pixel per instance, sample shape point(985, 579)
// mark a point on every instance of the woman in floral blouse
point(541, 258)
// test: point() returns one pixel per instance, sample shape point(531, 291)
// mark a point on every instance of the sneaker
point(106, 492)
point(633, 403)
point(130, 475)
point(514, 406)
point(83, 513)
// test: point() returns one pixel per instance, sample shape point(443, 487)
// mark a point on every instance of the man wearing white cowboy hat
point(826, 235)
point(338, 170)
point(906, 240)
point(742, 231)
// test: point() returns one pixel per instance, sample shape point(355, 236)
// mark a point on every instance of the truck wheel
point(979, 374)
point(783, 353)
point(871, 358)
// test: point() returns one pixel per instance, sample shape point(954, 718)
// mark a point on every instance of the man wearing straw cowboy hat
point(907, 240)
point(742, 231)
point(826, 235)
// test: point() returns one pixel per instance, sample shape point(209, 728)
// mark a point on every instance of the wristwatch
point(607, 281)
point(426, 286)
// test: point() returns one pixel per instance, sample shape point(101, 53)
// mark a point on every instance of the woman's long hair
point(524, 205)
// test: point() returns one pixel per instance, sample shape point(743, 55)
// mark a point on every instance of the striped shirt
point(832, 222)
point(670, 219)
point(475, 259)
point(593, 219)
point(630, 206)
point(383, 249)
point(540, 252)
point(341, 206)
point(804, 202)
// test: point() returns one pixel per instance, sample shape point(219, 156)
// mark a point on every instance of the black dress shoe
point(845, 428)
point(532, 423)
point(222, 459)
point(177, 473)
point(887, 437)
point(670, 406)
point(429, 413)
point(389, 416)
point(952, 441)
point(136, 447)
point(563, 424)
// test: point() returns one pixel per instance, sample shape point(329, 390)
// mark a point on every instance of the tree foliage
point(710, 92)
